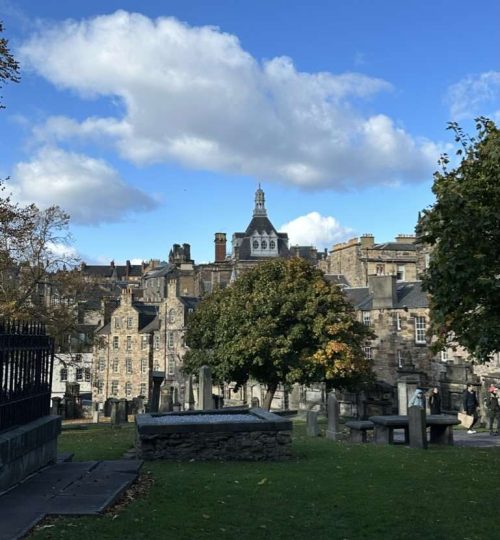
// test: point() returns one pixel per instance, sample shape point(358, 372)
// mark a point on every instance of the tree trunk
point(268, 399)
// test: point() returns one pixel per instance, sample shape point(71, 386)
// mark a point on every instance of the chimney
point(187, 252)
point(220, 247)
point(367, 241)
point(383, 289)
point(405, 239)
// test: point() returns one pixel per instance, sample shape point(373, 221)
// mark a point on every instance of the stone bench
point(441, 428)
point(358, 429)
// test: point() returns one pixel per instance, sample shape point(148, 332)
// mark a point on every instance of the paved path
point(481, 439)
point(69, 488)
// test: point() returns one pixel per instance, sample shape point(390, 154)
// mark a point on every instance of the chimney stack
point(220, 247)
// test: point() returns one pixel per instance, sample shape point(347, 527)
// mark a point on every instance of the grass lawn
point(328, 490)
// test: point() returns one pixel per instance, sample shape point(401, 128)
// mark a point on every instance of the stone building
point(359, 258)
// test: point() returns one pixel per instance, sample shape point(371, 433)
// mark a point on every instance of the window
point(129, 343)
point(368, 352)
point(366, 318)
point(170, 340)
point(128, 365)
point(117, 322)
point(171, 364)
point(272, 244)
point(255, 244)
point(397, 321)
point(114, 388)
point(128, 388)
point(79, 374)
point(144, 342)
point(400, 358)
point(157, 342)
point(101, 365)
point(63, 374)
point(380, 269)
point(171, 316)
point(143, 390)
point(263, 244)
point(444, 355)
point(115, 365)
point(144, 365)
point(116, 342)
point(100, 386)
point(87, 374)
point(130, 322)
point(400, 275)
point(427, 260)
point(420, 330)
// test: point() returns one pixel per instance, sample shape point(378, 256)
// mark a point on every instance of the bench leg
point(441, 434)
point(358, 435)
point(383, 435)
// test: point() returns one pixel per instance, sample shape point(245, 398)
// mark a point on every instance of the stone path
point(481, 439)
point(69, 488)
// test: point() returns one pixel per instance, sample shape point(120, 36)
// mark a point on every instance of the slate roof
point(108, 271)
point(159, 271)
point(337, 279)
point(409, 295)
point(151, 326)
point(395, 246)
point(260, 224)
point(190, 301)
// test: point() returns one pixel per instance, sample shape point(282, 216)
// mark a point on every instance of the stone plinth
point(222, 434)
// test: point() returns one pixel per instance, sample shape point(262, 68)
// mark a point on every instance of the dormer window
point(272, 244)
point(255, 244)
point(263, 244)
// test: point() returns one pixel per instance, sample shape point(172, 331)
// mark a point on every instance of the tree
point(9, 68)
point(279, 323)
point(463, 230)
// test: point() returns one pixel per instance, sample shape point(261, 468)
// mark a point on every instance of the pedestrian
point(493, 409)
point(470, 406)
point(418, 399)
point(435, 401)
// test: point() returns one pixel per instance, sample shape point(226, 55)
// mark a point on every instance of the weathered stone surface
point(312, 423)
point(333, 409)
point(417, 427)
point(205, 399)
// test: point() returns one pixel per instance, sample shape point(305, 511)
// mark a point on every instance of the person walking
point(471, 403)
point(435, 401)
point(493, 409)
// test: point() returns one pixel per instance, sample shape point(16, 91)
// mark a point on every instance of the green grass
point(328, 491)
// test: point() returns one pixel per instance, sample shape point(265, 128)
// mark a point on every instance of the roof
point(151, 326)
point(337, 279)
point(409, 295)
point(159, 271)
point(395, 246)
point(244, 251)
point(190, 301)
point(109, 271)
point(260, 224)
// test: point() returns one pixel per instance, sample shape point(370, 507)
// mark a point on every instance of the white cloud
point(88, 189)
point(194, 96)
point(475, 95)
point(316, 230)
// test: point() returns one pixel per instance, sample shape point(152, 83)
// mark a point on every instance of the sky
point(153, 122)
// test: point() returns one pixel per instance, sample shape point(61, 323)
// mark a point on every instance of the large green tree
point(463, 230)
point(279, 323)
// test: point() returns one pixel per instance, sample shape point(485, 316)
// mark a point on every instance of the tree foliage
point(9, 68)
point(463, 228)
point(279, 323)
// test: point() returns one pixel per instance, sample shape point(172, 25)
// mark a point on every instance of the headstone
point(312, 424)
point(95, 412)
point(205, 400)
point(56, 406)
point(158, 377)
point(190, 393)
point(416, 427)
point(255, 402)
point(402, 398)
point(166, 401)
point(122, 412)
point(113, 403)
point(139, 405)
point(333, 413)
point(176, 405)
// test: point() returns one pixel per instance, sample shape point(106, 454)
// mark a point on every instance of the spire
point(260, 208)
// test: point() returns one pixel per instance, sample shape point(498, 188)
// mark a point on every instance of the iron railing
point(26, 361)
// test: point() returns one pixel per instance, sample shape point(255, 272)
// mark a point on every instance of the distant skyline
point(152, 123)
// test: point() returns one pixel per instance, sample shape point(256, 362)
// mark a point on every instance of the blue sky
point(153, 122)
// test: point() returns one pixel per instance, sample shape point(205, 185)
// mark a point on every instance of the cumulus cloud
point(316, 230)
point(476, 95)
point(88, 189)
point(194, 96)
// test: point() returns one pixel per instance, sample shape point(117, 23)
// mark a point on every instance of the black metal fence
point(26, 360)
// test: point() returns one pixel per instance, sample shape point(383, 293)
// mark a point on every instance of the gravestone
point(190, 394)
point(255, 402)
point(176, 405)
point(416, 427)
point(138, 405)
point(158, 378)
point(205, 400)
point(95, 412)
point(113, 404)
point(122, 411)
point(333, 412)
point(312, 424)
point(166, 401)
point(56, 406)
